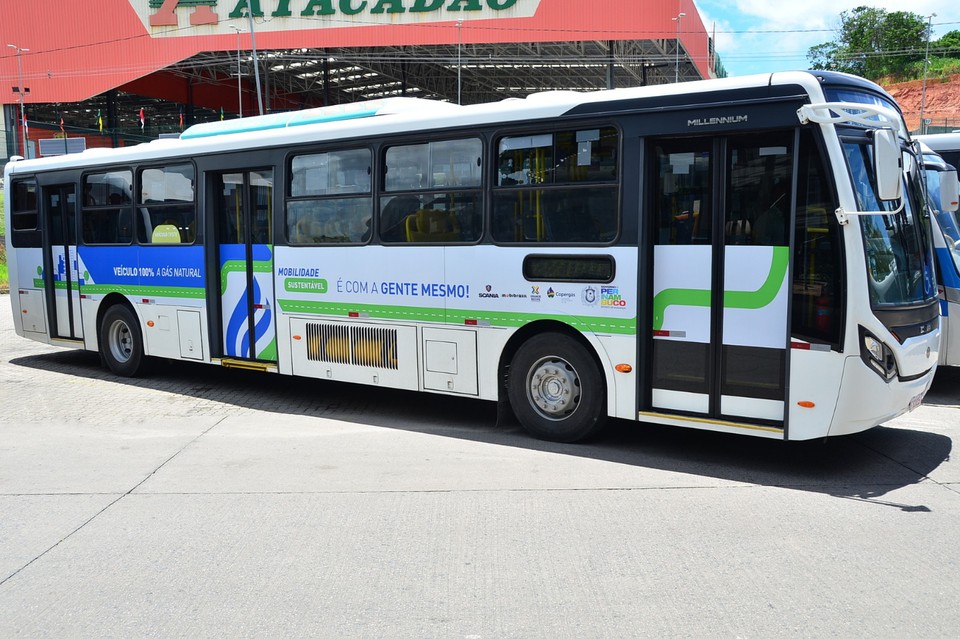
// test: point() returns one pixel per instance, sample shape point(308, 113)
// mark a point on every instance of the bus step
point(247, 364)
point(67, 342)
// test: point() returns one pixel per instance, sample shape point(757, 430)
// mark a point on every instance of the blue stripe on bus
point(280, 121)
point(948, 268)
point(171, 265)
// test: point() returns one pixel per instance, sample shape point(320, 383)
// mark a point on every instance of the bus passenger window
point(329, 199)
point(558, 187)
point(107, 215)
point(25, 218)
point(166, 211)
point(433, 192)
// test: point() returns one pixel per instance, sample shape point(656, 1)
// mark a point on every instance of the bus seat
point(568, 221)
point(166, 233)
point(426, 225)
point(394, 214)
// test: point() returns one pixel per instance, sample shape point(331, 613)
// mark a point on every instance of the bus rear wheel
point(556, 389)
point(121, 342)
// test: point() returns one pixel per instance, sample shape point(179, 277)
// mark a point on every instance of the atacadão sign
point(211, 17)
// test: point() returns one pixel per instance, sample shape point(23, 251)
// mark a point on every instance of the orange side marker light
point(623, 368)
point(805, 404)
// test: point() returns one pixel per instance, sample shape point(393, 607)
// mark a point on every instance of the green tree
point(873, 43)
point(947, 46)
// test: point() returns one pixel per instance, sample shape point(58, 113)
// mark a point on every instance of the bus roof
point(941, 141)
point(400, 115)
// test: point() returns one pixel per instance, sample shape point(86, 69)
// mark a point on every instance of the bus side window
point(431, 192)
point(167, 211)
point(818, 249)
point(25, 217)
point(106, 214)
point(328, 197)
point(558, 187)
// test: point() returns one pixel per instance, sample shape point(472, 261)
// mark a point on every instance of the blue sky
point(759, 36)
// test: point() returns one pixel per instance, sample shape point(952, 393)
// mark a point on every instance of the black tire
point(121, 342)
point(556, 389)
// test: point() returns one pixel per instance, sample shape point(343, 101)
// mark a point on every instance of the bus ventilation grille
point(358, 345)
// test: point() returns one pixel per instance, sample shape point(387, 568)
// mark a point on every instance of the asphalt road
point(203, 502)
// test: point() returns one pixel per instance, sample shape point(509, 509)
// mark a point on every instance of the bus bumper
point(866, 400)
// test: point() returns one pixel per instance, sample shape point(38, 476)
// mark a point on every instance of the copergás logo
point(283, 15)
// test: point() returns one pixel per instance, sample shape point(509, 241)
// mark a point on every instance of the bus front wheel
point(121, 342)
point(556, 389)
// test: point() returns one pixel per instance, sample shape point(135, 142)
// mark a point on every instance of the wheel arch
point(108, 302)
point(548, 326)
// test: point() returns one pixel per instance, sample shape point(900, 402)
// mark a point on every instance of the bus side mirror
point(888, 164)
point(949, 191)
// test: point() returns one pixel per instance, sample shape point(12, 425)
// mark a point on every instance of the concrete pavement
point(203, 502)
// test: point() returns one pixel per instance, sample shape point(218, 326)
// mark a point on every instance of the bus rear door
point(245, 247)
point(61, 270)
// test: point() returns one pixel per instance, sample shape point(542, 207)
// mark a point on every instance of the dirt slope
point(942, 104)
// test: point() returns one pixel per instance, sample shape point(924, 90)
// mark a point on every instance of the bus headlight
point(877, 355)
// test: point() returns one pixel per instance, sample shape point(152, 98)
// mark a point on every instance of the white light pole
point(239, 75)
point(676, 76)
point(256, 63)
point(926, 63)
point(21, 90)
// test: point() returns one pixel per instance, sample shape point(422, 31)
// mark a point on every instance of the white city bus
point(946, 145)
point(747, 255)
point(942, 188)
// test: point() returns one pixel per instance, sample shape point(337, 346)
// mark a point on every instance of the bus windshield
point(900, 270)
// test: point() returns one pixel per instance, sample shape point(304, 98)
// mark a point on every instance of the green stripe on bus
point(240, 266)
point(141, 291)
point(458, 316)
point(731, 299)
point(768, 291)
point(60, 285)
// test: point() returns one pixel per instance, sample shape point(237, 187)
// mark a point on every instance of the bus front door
point(61, 278)
point(719, 285)
point(245, 246)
